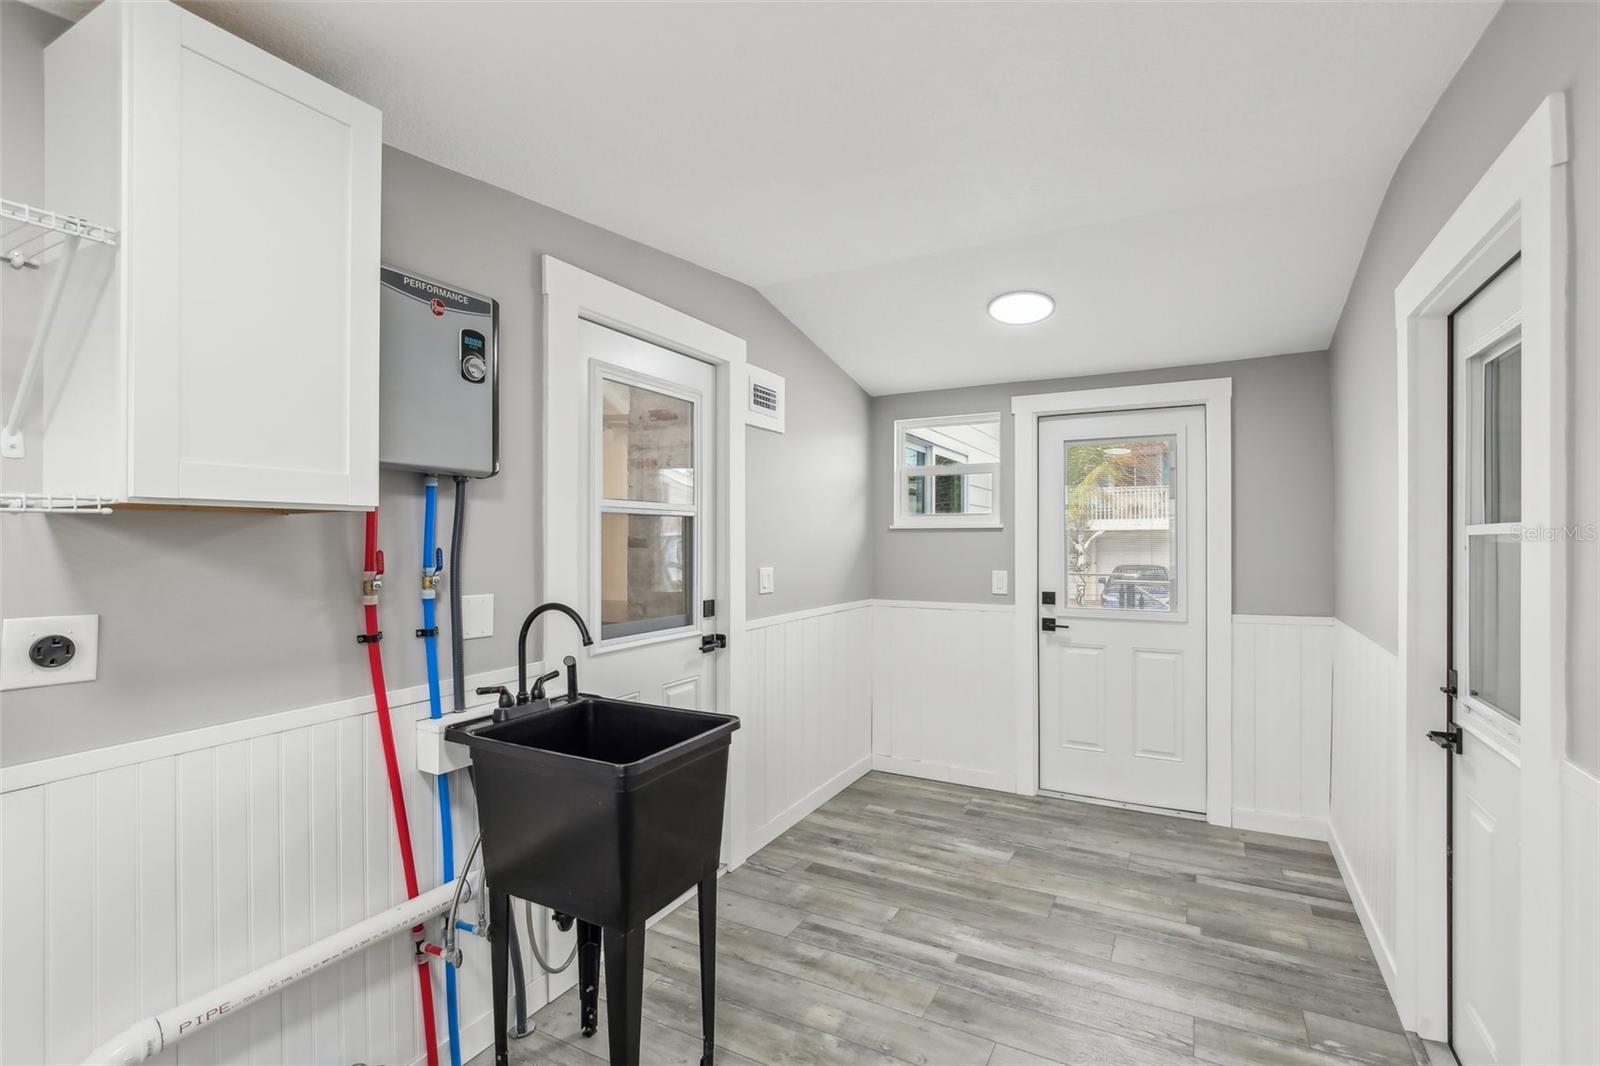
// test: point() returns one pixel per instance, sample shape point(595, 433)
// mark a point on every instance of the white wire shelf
point(32, 232)
point(40, 503)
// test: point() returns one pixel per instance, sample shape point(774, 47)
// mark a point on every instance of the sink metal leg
point(499, 955)
point(707, 906)
point(588, 977)
point(624, 954)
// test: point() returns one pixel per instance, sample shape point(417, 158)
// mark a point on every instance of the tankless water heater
point(439, 380)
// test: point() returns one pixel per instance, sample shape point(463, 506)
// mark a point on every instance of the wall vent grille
point(765, 406)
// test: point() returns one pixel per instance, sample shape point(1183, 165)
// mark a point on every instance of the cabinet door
point(252, 237)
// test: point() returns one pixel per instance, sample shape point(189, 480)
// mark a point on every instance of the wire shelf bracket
point(32, 233)
point(36, 503)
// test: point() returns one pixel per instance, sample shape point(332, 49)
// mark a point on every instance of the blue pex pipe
point(430, 643)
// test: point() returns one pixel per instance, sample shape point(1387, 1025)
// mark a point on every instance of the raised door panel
point(1157, 704)
point(254, 296)
point(1484, 898)
point(1081, 702)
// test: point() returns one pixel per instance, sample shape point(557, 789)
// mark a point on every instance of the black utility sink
point(605, 810)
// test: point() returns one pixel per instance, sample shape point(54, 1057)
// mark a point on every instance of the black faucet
point(522, 649)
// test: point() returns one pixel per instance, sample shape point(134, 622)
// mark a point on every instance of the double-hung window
point(651, 451)
point(947, 472)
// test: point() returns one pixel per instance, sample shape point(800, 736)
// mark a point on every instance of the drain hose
point(533, 941)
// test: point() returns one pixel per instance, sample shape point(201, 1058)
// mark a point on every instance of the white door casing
point(1215, 396)
point(574, 302)
point(1485, 860)
point(1519, 206)
point(1122, 710)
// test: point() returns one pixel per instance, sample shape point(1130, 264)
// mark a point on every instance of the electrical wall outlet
point(999, 581)
point(764, 583)
point(477, 616)
point(78, 655)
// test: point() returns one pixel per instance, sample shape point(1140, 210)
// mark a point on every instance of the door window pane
point(648, 445)
point(1502, 438)
point(1121, 524)
point(1494, 622)
point(646, 573)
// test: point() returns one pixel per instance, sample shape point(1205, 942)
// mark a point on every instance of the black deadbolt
point(47, 653)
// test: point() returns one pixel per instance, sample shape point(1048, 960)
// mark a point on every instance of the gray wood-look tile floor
point(914, 922)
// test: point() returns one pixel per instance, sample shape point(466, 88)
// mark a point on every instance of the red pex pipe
point(372, 565)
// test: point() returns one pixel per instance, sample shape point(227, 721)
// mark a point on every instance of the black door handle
point(712, 641)
point(1448, 739)
point(1050, 625)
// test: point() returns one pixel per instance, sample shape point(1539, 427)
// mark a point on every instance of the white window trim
point(1519, 205)
point(904, 427)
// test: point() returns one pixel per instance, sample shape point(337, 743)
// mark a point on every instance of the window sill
point(946, 525)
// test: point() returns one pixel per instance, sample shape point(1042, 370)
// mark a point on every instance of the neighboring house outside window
point(947, 472)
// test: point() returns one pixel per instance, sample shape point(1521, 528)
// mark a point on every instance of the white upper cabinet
point(233, 356)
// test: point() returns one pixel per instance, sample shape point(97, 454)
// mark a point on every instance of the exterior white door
point(1122, 682)
point(649, 518)
point(1485, 655)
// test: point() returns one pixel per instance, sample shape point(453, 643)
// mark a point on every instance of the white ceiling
point(1191, 181)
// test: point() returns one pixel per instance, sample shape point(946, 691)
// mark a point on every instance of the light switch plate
point(764, 583)
point(999, 581)
point(477, 616)
point(18, 634)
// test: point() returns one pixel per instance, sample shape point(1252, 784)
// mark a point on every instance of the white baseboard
point(952, 775)
point(1380, 947)
point(791, 815)
point(1305, 826)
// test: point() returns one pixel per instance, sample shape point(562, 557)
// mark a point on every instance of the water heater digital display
point(474, 364)
point(439, 387)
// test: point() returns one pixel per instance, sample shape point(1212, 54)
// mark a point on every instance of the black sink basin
point(603, 809)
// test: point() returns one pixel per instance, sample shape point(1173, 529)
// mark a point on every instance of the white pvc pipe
point(145, 1039)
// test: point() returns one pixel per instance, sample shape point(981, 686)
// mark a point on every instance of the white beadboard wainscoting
point(1282, 709)
point(806, 721)
point(1364, 809)
point(943, 692)
point(137, 876)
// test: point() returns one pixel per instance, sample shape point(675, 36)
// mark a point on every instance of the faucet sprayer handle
point(572, 677)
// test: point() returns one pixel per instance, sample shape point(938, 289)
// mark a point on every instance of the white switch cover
point(477, 616)
point(998, 580)
point(764, 580)
point(18, 634)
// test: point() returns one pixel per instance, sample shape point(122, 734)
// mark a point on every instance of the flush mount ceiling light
point(1021, 308)
point(1119, 451)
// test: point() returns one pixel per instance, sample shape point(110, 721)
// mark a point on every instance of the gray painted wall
point(1528, 52)
point(1282, 508)
point(208, 618)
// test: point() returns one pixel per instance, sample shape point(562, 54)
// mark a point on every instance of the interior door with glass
point(1486, 657)
point(1122, 683)
point(650, 513)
